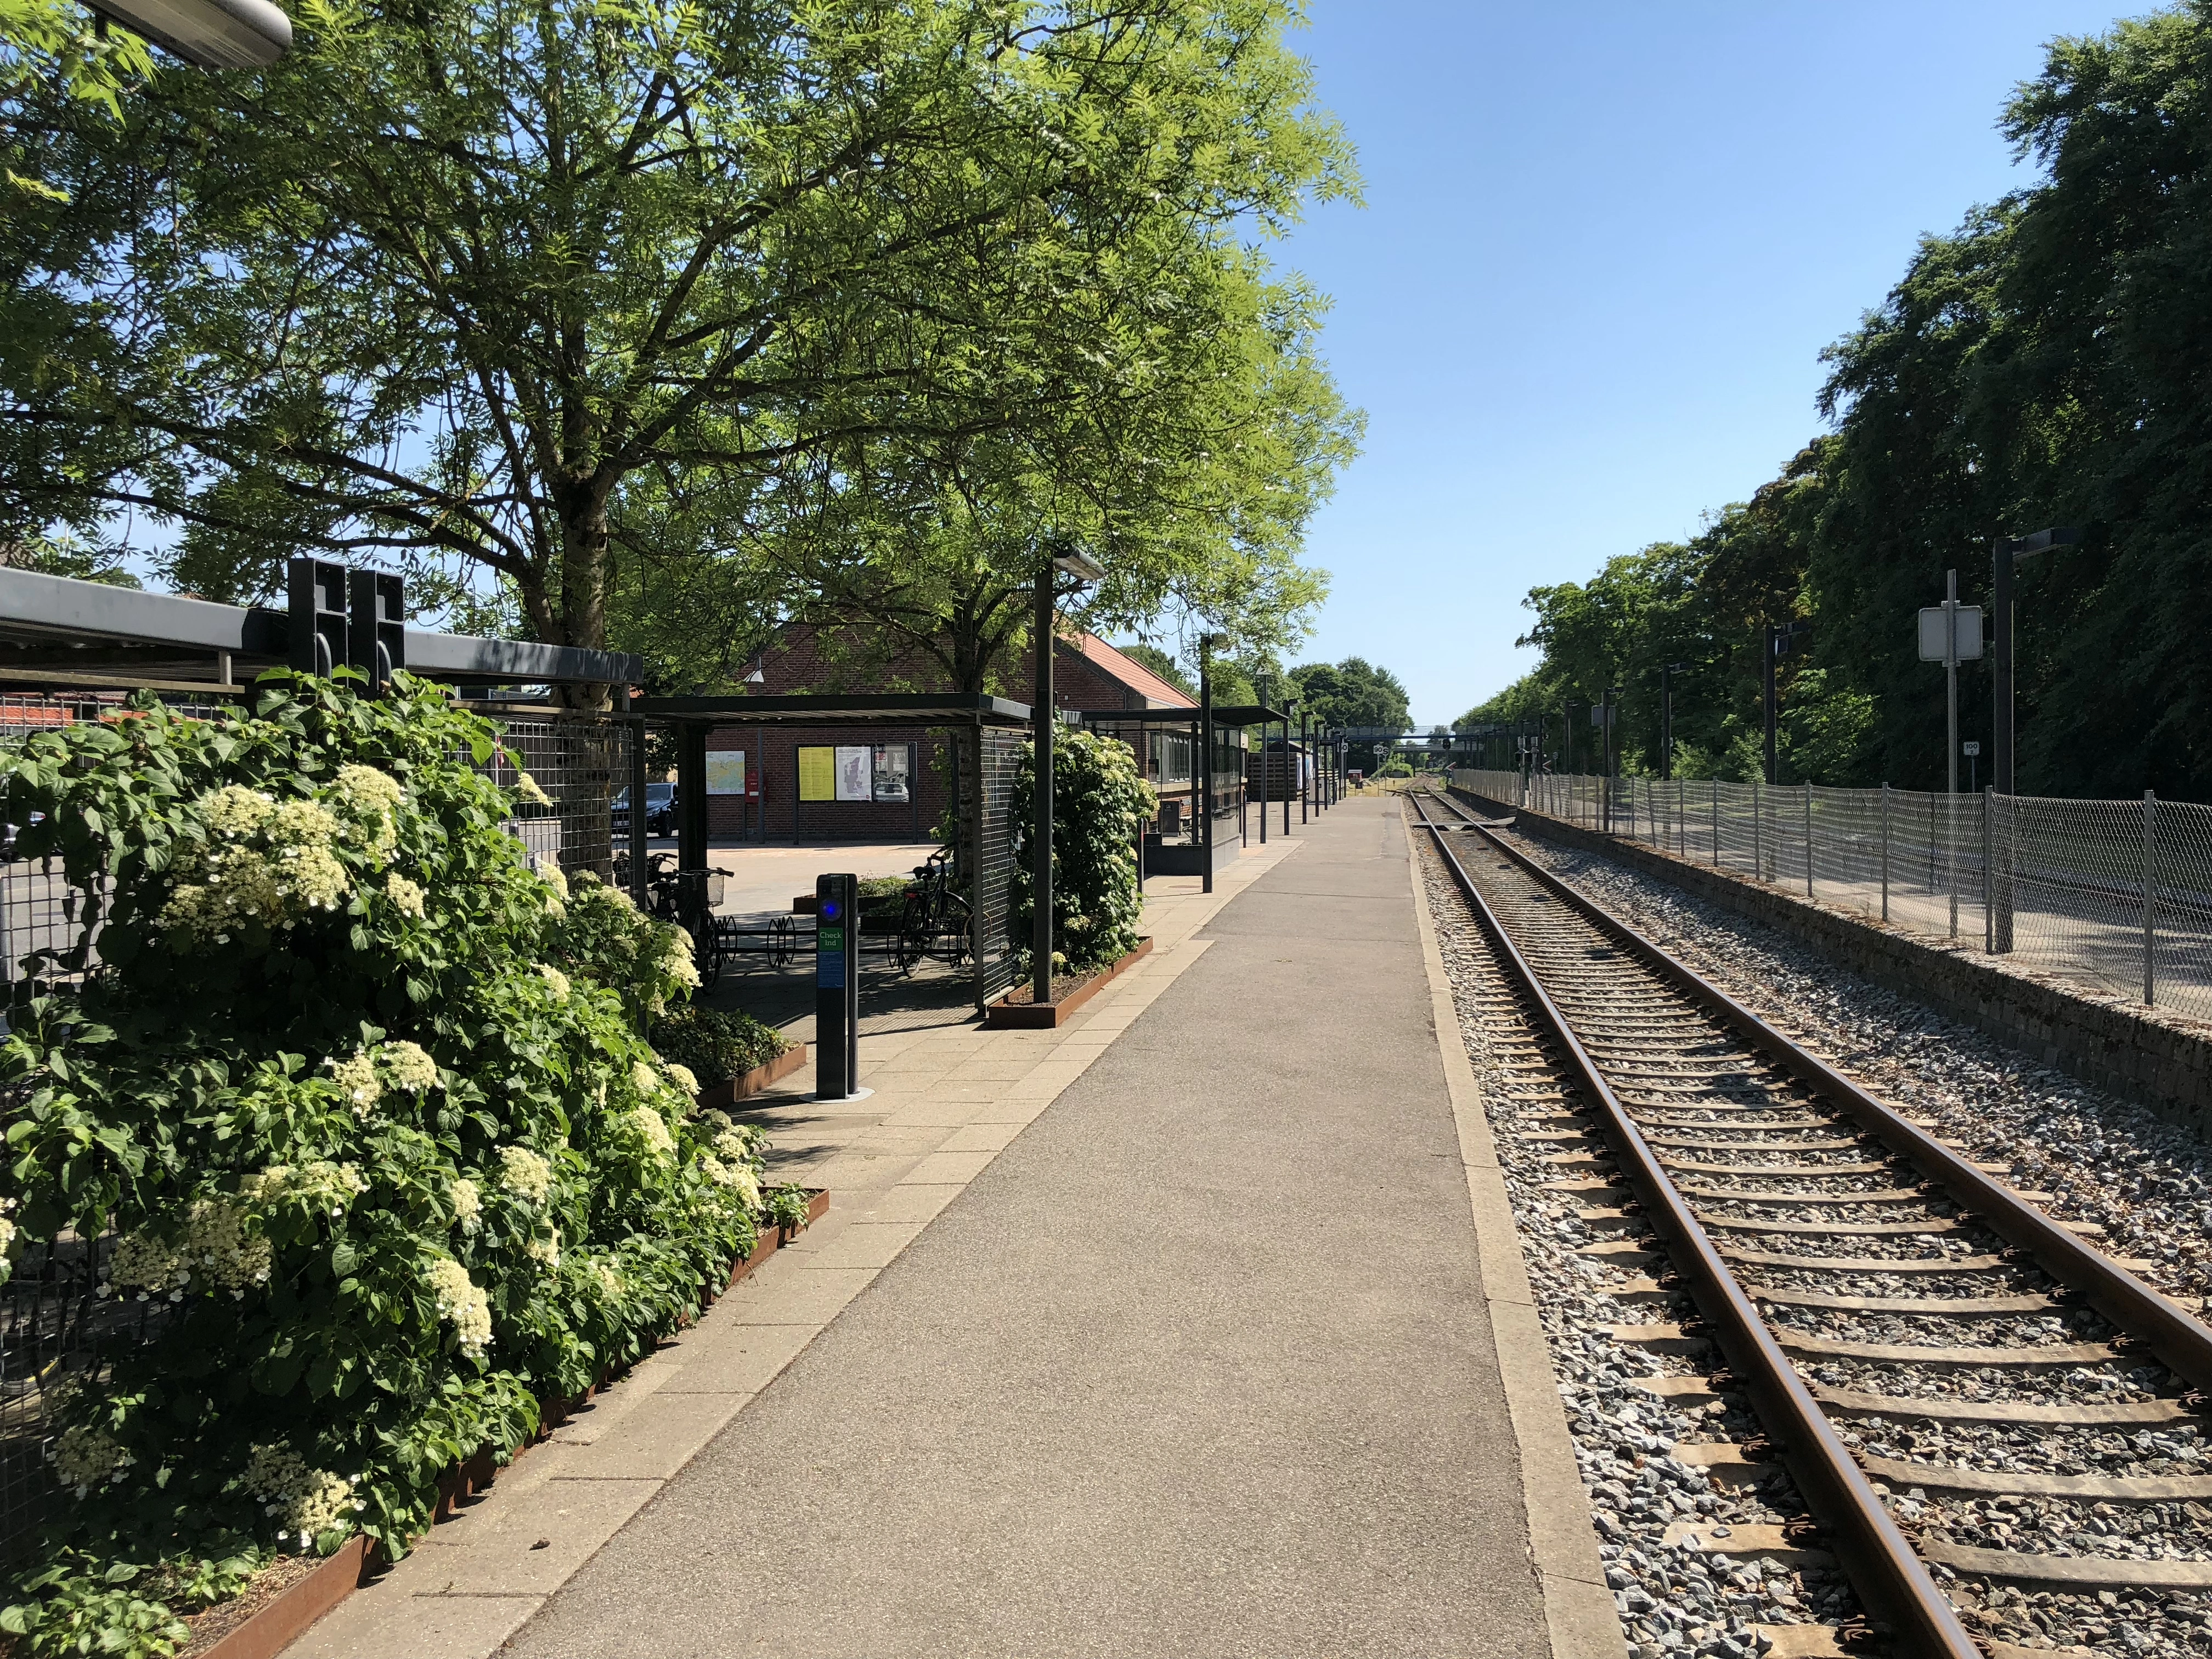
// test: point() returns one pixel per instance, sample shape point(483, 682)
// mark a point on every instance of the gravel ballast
point(2104, 1163)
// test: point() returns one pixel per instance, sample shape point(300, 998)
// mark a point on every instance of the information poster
point(818, 774)
point(725, 771)
point(855, 774)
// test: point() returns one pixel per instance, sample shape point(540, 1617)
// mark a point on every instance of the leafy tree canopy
point(2046, 364)
point(519, 296)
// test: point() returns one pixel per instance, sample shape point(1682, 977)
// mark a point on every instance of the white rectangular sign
point(855, 775)
point(1970, 632)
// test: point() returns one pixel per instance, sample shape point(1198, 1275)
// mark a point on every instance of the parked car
point(660, 810)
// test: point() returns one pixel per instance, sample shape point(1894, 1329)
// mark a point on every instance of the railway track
point(1903, 1324)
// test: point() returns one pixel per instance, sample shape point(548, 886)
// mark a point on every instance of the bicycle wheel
point(782, 943)
point(953, 931)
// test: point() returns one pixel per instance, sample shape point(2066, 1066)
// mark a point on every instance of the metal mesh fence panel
point(994, 948)
point(582, 763)
point(1914, 858)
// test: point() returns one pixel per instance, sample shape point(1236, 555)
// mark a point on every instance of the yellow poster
point(818, 774)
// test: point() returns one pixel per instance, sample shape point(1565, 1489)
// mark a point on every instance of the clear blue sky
point(1603, 248)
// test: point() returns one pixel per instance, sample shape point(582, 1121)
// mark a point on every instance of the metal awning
point(58, 631)
point(931, 708)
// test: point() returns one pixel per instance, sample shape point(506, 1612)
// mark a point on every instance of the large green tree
point(511, 293)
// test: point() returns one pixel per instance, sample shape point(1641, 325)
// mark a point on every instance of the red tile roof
point(1133, 674)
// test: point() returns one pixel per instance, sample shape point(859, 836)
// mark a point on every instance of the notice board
point(817, 773)
point(725, 771)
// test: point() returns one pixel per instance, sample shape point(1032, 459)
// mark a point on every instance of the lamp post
point(1043, 717)
point(2005, 554)
point(1305, 783)
point(1290, 707)
point(1780, 643)
point(1666, 673)
point(1202, 762)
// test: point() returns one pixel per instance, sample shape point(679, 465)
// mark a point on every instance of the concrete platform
point(1175, 1331)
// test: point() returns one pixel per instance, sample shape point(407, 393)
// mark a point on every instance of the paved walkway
point(1197, 1361)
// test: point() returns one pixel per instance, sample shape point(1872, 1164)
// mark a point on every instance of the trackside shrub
point(360, 1093)
point(1098, 800)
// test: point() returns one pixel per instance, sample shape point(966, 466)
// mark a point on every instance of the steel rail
point(2181, 1342)
point(1892, 1581)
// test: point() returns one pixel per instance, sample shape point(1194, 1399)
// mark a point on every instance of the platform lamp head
point(209, 35)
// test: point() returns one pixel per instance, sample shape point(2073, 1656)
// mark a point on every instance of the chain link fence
point(2115, 895)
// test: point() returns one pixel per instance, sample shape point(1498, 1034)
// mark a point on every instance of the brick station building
point(854, 782)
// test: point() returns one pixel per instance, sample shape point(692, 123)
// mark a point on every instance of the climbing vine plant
point(355, 1090)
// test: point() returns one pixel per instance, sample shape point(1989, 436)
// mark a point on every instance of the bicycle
point(936, 920)
point(688, 898)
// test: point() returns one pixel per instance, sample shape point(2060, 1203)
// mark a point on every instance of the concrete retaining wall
point(2131, 1052)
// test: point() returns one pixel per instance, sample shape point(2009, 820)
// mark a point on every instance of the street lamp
point(2006, 551)
point(209, 35)
point(1666, 673)
point(1202, 764)
point(1043, 716)
point(1290, 707)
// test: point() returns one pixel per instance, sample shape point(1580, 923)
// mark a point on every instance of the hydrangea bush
point(1098, 801)
point(361, 1094)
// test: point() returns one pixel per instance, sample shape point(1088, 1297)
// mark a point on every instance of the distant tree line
point(2049, 362)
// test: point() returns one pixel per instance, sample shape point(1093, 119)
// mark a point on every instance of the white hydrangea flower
point(609, 1281)
point(644, 1078)
point(545, 1249)
point(321, 1185)
point(306, 1502)
point(551, 873)
point(524, 1174)
point(738, 1177)
point(365, 790)
point(409, 1066)
point(526, 786)
point(220, 1252)
point(683, 1076)
point(462, 1303)
point(556, 979)
point(357, 1077)
point(467, 1202)
point(408, 897)
point(146, 1264)
point(653, 1129)
point(303, 824)
point(84, 1457)
point(234, 811)
point(315, 878)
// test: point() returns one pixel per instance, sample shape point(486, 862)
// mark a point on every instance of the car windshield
point(657, 793)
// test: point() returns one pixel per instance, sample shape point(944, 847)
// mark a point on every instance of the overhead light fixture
point(1079, 565)
point(209, 35)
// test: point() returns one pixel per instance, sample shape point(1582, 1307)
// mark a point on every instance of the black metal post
point(1305, 783)
point(2001, 676)
point(1041, 719)
point(1666, 722)
point(1773, 639)
point(1202, 765)
point(836, 986)
point(639, 841)
point(691, 795)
